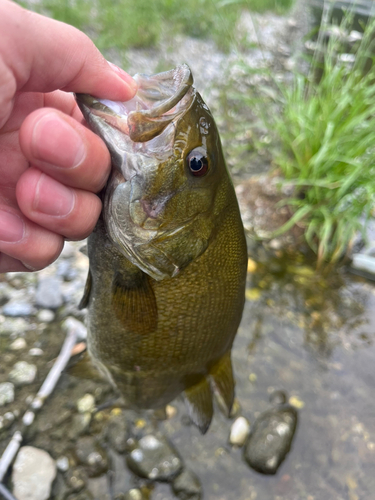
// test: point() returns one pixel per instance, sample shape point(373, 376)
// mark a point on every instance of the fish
point(167, 259)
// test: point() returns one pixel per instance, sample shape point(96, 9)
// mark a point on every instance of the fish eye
point(197, 162)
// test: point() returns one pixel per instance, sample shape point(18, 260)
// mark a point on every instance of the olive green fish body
point(168, 259)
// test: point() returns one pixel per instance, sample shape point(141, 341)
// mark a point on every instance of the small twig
point(48, 386)
point(5, 493)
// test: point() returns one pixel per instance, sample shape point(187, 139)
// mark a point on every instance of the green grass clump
point(141, 23)
point(327, 134)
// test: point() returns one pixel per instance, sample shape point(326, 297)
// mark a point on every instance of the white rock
point(62, 463)
point(18, 344)
point(86, 404)
point(36, 351)
point(33, 473)
point(46, 315)
point(239, 431)
point(6, 393)
point(22, 373)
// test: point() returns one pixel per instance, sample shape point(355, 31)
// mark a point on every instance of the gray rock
point(5, 293)
point(80, 425)
point(187, 486)
point(90, 454)
point(48, 294)
point(23, 373)
point(154, 458)
point(18, 308)
point(6, 420)
point(133, 494)
point(117, 433)
point(10, 326)
point(62, 463)
point(76, 479)
point(36, 351)
point(6, 393)
point(271, 438)
point(74, 324)
point(33, 473)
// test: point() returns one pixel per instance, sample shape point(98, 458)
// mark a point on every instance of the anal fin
point(198, 400)
point(223, 381)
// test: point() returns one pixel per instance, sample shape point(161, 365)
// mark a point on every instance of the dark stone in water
point(117, 433)
point(154, 458)
point(92, 456)
point(187, 486)
point(271, 438)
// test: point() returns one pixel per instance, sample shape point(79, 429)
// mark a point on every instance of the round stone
point(23, 373)
point(86, 404)
point(6, 393)
point(239, 431)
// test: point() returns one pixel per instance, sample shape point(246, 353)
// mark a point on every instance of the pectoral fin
point(86, 293)
point(84, 368)
point(198, 400)
point(223, 381)
point(134, 303)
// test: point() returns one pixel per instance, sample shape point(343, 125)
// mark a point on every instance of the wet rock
point(33, 473)
point(46, 316)
point(12, 326)
point(187, 486)
point(86, 404)
point(6, 393)
point(17, 308)
point(239, 431)
point(154, 458)
point(271, 438)
point(117, 433)
point(5, 293)
point(80, 425)
point(76, 479)
point(18, 344)
point(48, 294)
point(90, 454)
point(62, 463)
point(6, 420)
point(23, 373)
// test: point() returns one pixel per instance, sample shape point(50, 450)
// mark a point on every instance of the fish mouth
point(159, 101)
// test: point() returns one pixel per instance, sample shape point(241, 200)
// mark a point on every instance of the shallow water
point(308, 335)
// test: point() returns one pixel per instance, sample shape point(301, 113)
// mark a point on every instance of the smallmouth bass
point(168, 258)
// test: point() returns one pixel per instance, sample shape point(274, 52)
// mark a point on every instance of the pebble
point(62, 463)
point(187, 486)
point(17, 308)
point(6, 393)
point(117, 433)
point(18, 344)
point(46, 315)
point(271, 438)
point(86, 404)
point(36, 351)
point(239, 431)
point(154, 458)
point(76, 479)
point(23, 373)
point(80, 425)
point(133, 494)
point(33, 473)
point(5, 293)
point(90, 454)
point(48, 294)
point(6, 420)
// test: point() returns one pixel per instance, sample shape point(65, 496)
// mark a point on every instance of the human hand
point(51, 165)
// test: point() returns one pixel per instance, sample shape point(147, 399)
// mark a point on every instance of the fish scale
point(164, 304)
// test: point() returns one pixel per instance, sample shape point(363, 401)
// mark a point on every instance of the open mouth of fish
point(140, 134)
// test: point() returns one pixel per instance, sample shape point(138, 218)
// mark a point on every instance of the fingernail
point(56, 142)
point(53, 198)
point(131, 83)
point(12, 227)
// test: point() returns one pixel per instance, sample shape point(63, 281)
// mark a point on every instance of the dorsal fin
point(198, 400)
point(223, 381)
point(134, 303)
